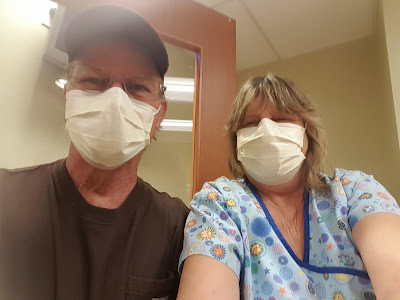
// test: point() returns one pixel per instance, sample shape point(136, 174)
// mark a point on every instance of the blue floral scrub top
point(230, 223)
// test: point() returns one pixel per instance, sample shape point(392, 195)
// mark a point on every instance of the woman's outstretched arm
point(378, 239)
point(206, 278)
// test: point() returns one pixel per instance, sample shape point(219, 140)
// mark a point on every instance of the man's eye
point(93, 82)
point(132, 88)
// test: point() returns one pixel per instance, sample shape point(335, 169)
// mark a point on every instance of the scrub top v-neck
point(278, 232)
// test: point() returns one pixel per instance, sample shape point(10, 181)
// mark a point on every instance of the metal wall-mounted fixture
point(47, 20)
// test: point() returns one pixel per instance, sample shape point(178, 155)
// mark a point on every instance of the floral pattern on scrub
point(230, 223)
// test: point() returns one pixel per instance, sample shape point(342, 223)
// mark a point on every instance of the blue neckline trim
point(305, 262)
point(306, 222)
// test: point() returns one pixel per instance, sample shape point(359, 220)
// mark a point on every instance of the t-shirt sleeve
point(366, 196)
point(210, 230)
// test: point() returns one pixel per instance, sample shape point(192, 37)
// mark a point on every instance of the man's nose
point(118, 84)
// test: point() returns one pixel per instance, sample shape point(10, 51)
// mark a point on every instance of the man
point(88, 227)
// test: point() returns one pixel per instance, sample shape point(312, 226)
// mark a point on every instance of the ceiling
point(273, 30)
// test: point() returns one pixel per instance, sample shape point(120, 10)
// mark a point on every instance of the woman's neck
point(286, 195)
point(285, 205)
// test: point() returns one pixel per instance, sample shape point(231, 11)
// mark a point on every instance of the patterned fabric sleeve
point(365, 196)
point(210, 230)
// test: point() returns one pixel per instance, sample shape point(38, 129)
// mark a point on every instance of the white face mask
point(107, 128)
point(271, 152)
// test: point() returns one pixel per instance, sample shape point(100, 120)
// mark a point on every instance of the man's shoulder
point(164, 201)
point(26, 171)
point(23, 181)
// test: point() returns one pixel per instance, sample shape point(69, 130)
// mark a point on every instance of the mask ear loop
point(305, 128)
point(159, 127)
point(156, 112)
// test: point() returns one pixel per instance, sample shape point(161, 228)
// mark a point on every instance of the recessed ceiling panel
point(298, 27)
point(252, 49)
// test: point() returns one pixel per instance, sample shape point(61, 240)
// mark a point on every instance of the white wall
point(31, 108)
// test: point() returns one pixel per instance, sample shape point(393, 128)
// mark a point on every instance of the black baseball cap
point(108, 21)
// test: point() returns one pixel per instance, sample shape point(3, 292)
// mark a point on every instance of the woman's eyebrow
point(252, 114)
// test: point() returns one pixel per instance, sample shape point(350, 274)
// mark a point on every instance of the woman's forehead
point(260, 103)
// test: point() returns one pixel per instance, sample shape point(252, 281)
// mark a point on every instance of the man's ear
point(65, 89)
point(163, 111)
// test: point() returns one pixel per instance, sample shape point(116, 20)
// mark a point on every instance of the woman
point(282, 229)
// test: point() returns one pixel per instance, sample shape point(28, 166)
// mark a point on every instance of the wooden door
point(212, 36)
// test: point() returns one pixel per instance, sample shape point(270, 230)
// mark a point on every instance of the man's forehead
point(110, 53)
point(98, 23)
point(108, 45)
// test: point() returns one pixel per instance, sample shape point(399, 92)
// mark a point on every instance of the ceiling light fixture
point(177, 84)
point(177, 125)
point(60, 82)
point(179, 89)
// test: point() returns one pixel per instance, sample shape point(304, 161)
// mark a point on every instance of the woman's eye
point(251, 123)
point(285, 119)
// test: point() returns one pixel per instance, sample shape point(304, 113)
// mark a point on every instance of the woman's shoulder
point(222, 188)
point(350, 179)
point(340, 174)
point(356, 175)
point(222, 193)
point(356, 185)
point(223, 182)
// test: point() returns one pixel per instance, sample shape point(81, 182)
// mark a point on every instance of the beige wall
point(355, 106)
point(386, 83)
point(390, 9)
point(182, 62)
point(166, 164)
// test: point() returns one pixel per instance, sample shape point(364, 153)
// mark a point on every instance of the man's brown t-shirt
point(55, 245)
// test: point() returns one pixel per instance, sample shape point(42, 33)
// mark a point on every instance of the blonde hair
point(288, 99)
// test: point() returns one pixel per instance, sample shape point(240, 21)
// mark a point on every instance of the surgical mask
point(107, 128)
point(271, 152)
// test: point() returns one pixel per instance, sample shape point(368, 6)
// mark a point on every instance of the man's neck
point(102, 188)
